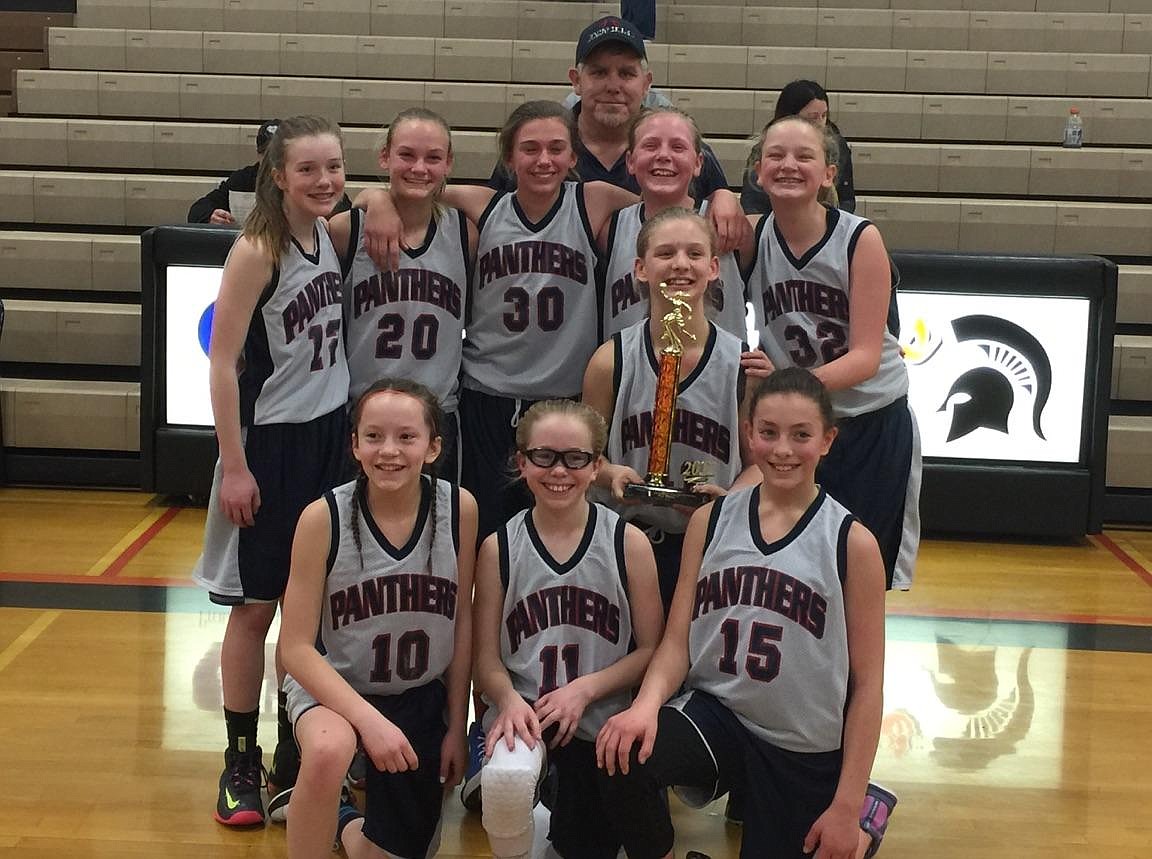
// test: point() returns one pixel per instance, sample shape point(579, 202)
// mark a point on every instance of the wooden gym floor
point(1018, 717)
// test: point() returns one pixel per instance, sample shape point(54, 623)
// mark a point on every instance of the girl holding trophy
point(670, 388)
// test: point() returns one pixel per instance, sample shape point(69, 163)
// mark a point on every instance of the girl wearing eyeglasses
point(675, 247)
point(563, 591)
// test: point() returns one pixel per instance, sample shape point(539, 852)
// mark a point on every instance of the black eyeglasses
point(547, 457)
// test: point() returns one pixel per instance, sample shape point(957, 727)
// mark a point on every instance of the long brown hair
point(529, 111)
point(267, 225)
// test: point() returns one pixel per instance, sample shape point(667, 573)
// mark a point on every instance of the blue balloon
point(204, 327)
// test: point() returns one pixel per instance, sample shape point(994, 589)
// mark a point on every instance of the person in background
point(642, 13)
point(237, 193)
point(613, 82)
point(809, 100)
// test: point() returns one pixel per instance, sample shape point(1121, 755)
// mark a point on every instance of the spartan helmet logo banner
point(1018, 361)
point(1004, 383)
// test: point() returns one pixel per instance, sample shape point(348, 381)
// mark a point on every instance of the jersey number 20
point(425, 327)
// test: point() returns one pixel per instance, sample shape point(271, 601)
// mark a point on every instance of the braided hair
point(433, 418)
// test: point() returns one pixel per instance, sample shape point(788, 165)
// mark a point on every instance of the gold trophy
point(657, 489)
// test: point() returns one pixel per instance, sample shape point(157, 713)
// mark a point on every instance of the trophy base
point(665, 496)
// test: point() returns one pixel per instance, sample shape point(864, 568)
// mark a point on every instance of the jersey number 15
point(763, 660)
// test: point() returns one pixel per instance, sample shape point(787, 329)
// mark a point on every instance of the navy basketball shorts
point(868, 471)
point(487, 461)
point(704, 751)
point(402, 810)
point(293, 465)
point(577, 828)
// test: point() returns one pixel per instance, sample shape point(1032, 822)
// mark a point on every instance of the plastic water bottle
point(1074, 130)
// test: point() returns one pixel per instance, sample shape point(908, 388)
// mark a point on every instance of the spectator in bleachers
point(230, 202)
point(809, 100)
point(642, 13)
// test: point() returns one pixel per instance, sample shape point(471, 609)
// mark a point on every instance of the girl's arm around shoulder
point(729, 221)
point(340, 231)
point(453, 751)
point(870, 286)
point(565, 705)
point(746, 250)
point(303, 600)
point(836, 831)
point(383, 229)
point(602, 200)
point(472, 200)
point(666, 671)
point(490, 677)
point(473, 238)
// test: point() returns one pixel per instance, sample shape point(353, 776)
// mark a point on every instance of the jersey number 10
point(411, 656)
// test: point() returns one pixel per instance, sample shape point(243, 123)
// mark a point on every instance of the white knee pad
point(508, 784)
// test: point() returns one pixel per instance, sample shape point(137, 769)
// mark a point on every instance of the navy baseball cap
point(264, 134)
point(609, 29)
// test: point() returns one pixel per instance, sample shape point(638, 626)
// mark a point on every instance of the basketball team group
point(436, 416)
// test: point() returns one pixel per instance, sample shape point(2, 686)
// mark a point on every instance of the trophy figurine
point(657, 488)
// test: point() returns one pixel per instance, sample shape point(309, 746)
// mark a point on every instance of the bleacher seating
point(954, 109)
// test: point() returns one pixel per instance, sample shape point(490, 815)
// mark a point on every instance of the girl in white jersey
point(674, 246)
point(567, 616)
point(777, 634)
point(407, 323)
point(664, 154)
point(820, 283)
point(382, 566)
point(279, 384)
point(532, 313)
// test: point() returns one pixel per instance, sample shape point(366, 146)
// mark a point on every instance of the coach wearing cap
point(612, 80)
point(232, 199)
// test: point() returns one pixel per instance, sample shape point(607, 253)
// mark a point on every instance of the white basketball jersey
point(802, 310)
point(294, 367)
point(705, 426)
point(532, 326)
point(389, 617)
point(768, 635)
point(625, 302)
point(407, 323)
point(561, 621)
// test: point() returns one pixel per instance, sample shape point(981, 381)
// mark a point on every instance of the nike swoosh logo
point(229, 801)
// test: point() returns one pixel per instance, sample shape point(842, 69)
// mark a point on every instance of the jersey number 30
point(763, 660)
point(549, 308)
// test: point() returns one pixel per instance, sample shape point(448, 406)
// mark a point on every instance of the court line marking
point(77, 579)
point(1124, 557)
point(27, 637)
point(1028, 616)
point(136, 539)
